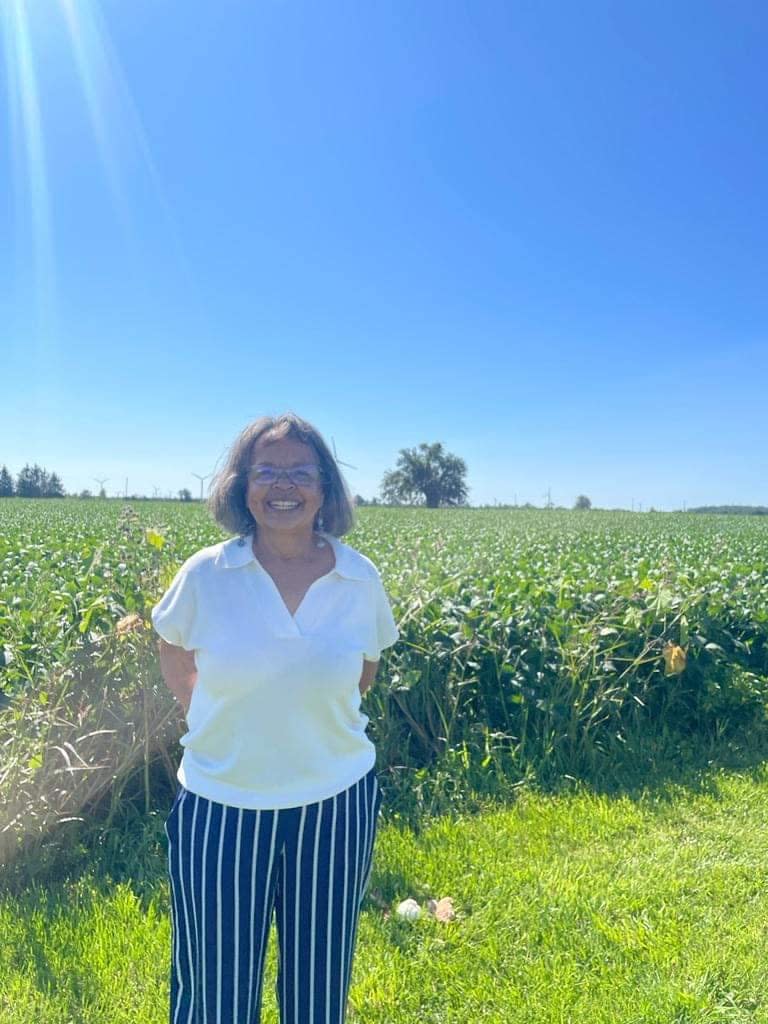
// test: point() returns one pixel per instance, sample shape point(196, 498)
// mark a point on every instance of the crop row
point(532, 642)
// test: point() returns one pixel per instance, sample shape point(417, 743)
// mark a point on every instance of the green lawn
point(571, 908)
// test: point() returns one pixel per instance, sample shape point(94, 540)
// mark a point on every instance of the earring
point(319, 520)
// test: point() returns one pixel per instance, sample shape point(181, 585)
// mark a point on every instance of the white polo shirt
point(275, 716)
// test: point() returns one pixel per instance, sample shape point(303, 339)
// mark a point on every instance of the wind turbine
point(101, 483)
point(337, 459)
point(201, 479)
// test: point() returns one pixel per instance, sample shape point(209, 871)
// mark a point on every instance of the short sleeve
point(386, 630)
point(174, 615)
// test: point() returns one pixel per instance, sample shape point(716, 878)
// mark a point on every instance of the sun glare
point(114, 119)
point(120, 140)
point(27, 147)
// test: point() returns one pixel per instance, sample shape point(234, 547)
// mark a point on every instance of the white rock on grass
point(409, 909)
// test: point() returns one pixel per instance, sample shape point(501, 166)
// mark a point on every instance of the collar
point(237, 552)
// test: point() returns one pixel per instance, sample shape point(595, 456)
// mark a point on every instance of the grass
point(644, 907)
point(531, 644)
point(532, 650)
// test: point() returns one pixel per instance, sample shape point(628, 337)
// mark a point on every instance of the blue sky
point(535, 232)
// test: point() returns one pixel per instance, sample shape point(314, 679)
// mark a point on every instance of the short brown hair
point(227, 501)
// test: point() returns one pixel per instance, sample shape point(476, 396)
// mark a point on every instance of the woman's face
point(282, 504)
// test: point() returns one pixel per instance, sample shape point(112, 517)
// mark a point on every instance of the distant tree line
point(427, 475)
point(733, 510)
point(32, 482)
point(36, 482)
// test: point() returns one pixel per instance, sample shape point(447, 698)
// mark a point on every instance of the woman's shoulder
point(213, 556)
point(352, 561)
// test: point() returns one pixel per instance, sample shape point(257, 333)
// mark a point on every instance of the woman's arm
point(368, 675)
point(179, 672)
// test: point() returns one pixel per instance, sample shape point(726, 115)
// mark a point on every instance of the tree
point(426, 475)
point(582, 502)
point(36, 482)
point(6, 483)
point(31, 481)
point(55, 488)
point(185, 494)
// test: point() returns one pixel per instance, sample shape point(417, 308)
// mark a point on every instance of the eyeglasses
point(301, 476)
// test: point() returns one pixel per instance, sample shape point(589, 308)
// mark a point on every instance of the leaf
point(634, 618)
point(85, 623)
point(674, 659)
point(683, 630)
point(132, 623)
point(155, 539)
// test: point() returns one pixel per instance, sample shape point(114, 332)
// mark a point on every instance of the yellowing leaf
point(132, 623)
point(157, 540)
point(674, 660)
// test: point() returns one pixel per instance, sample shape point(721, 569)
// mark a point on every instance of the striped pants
point(231, 867)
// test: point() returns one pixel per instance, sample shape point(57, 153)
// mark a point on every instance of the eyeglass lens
point(298, 475)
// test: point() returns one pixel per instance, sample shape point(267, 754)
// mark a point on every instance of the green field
point(532, 641)
point(592, 816)
point(642, 909)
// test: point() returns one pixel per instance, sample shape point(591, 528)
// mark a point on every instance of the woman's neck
point(287, 547)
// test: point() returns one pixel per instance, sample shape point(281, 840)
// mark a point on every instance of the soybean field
point(534, 645)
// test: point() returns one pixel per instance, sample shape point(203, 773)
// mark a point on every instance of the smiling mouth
point(283, 506)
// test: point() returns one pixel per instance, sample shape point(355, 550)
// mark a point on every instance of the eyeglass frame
point(286, 471)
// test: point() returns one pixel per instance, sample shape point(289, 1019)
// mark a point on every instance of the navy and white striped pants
point(230, 867)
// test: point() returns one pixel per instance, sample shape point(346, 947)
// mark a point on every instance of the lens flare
point(110, 106)
point(29, 157)
point(119, 135)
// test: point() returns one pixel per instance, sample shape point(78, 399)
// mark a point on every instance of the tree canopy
point(6, 483)
point(36, 482)
point(426, 475)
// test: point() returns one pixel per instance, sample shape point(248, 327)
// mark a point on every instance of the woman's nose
point(283, 480)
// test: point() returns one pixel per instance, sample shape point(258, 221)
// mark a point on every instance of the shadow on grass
point(661, 768)
point(133, 850)
point(128, 849)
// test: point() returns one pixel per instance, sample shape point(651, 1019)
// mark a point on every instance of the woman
point(268, 640)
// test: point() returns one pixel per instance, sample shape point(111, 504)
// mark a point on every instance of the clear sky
point(534, 231)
